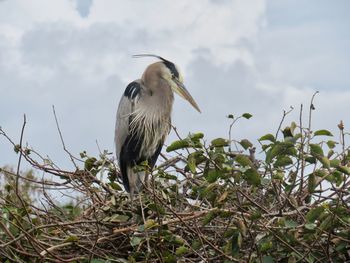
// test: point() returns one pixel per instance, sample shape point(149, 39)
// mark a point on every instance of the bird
point(143, 119)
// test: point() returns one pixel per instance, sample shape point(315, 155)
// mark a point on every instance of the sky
point(256, 56)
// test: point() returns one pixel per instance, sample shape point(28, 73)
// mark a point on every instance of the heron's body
point(144, 121)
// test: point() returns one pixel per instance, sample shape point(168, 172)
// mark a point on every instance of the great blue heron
point(144, 119)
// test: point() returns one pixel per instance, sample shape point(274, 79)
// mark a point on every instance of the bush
point(207, 203)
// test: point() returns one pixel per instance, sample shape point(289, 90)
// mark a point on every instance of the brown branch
point(20, 154)
point(62, 141)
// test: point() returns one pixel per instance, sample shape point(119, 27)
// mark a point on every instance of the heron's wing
point(152, 161)
point(125, 109)
point(127, 146)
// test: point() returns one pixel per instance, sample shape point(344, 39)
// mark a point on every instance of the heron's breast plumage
point(151, 126)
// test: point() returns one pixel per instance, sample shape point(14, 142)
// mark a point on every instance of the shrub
point(206, 203)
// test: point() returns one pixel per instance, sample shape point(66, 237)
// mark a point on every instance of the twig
point(285, 113)
point(50, 249)
point(301, 158)
point(20, 154)
point(311, 108)
point(144, 222)
point(62, 141)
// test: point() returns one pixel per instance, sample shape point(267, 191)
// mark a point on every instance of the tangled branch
point(205, 204)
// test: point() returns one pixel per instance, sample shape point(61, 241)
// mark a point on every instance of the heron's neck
point(159, 96)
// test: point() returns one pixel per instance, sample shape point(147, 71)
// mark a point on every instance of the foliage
point(206, 203)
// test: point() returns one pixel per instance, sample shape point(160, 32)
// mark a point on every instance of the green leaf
point(331, 144)
point(229, 232)
point(236, 243)
point(167, 176)
point(115, 186)
point(316, 150)
point(253, 177)
point(314, 213)
point(169, 258)
point(96, 260)
point(267, 259)
point(264, 147)
point(320, 173)
point(265, 245)
point(331, 178)
point(325, 162)
point(268, 137)
point(340, 247)
point(323, 133)
point(247, 115)
point(344, 169)
point(209, 217)
point(310, 226)
point(150, 223)
point(196, 244)
point(310, 159)
point(208, 189)
point(191, 162)
point(71, 238)
point(191, 165)
point(243, 160)
point(117, 218)
point(279, 175)
point(218, 157)
point(283, 161)
point(291, 140)
point(326, 223)
point(180, 144)
point(230, 116)
point(297, 136)
point(255, 215)
point(181, 250)
point(196, 136)
point(290, 224)
point(277, 149)
point(339, 178)
point(311, 183)
point(135, 241)
point(90, 163)
point(212, 175)
point(157, 208)
point(220, 142)
point(246, 144)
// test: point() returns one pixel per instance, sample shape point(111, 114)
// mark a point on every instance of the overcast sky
point(236, 56)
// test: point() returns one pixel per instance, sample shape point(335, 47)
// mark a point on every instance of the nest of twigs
point(206, 204)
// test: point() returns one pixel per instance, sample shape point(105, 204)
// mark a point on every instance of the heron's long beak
point(180, 89)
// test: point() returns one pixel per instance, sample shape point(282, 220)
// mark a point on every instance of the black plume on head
point(170, 65)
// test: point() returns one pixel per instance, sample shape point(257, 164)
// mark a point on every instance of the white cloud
point(182, 26)
point(233, 60)
point(25, 14)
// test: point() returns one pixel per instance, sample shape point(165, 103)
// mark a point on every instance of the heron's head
point(171, 74)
